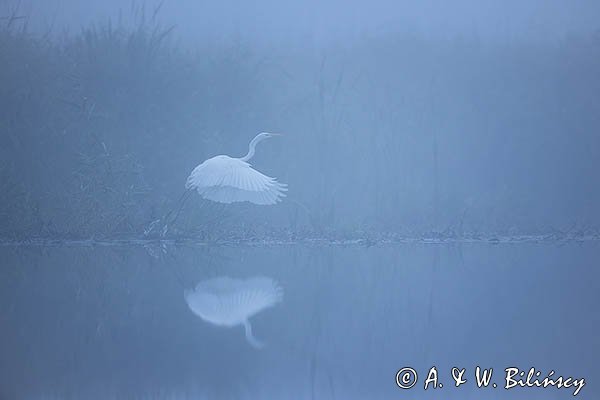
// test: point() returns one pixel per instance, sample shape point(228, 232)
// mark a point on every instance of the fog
point(424, 192)
point(322, 21)
point(481, 117)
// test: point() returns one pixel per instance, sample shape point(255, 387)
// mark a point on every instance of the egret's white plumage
point(229, 302)
point(227, 180)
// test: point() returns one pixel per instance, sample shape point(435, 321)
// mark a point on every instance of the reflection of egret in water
point(229, 302)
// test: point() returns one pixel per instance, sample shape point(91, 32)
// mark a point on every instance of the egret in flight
point(227, 180)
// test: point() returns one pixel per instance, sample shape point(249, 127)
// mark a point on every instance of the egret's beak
point(276, 134)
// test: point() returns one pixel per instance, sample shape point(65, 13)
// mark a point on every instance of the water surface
point(112, 321)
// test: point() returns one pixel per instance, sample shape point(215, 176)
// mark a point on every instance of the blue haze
point(442, 161)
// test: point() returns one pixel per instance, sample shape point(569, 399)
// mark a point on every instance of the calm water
point(112, 322)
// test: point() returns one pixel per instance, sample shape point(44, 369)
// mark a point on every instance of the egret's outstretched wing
point(226, 180)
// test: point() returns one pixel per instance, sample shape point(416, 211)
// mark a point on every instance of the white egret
point(229, 302)
point(227, 180)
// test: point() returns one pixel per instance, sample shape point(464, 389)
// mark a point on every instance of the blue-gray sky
point(321, 21)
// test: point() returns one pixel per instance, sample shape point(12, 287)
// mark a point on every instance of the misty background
point(442, 159)
point(452, 119)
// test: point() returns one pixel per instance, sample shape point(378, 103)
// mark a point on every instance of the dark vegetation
point(399, 134)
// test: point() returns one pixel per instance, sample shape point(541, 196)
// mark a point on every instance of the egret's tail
point(250, 337)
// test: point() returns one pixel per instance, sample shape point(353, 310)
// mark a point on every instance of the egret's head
point(267, 135)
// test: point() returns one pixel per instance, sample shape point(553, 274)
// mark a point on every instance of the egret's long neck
point(251, 148)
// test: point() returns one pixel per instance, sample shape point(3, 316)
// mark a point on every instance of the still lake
point(112, 322)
